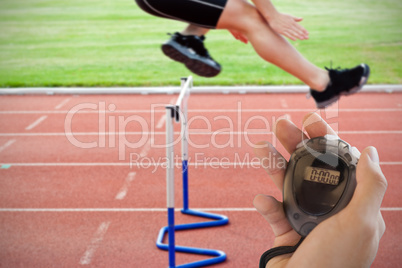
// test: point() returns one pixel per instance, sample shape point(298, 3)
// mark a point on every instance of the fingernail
point(373, 154)
point(282, 117)
point(261, 145)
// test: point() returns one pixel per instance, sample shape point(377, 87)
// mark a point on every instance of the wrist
point(266, 9)
point(270, 14)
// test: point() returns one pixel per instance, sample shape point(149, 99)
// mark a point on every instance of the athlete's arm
point(284, 24)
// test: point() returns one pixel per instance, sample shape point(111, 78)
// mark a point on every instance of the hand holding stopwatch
point(320, 180)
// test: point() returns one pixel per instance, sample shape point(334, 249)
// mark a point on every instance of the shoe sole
point(363, 81)
point(327, 103)
point(195, 65)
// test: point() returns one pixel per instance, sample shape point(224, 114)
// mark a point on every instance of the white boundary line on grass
point(175, 90)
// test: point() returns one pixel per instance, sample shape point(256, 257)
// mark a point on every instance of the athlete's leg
point(194, 30)
point(188, 48)
point(239, 16)
point(242, 16)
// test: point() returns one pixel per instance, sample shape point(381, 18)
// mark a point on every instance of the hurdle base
point(218, 256)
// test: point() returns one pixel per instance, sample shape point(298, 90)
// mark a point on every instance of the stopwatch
point(320, 180)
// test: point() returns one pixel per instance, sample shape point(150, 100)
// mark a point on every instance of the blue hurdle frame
point(178, 113)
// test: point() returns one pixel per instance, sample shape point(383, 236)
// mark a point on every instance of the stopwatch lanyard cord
point(273, 252)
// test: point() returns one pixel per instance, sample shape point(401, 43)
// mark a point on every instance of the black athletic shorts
point(204, 13)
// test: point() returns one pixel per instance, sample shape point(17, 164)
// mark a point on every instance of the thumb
point(371, 183)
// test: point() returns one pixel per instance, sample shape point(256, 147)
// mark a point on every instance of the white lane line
point(82, 134)
point(161, 91)
point(37, 122)
point(146, 165)
point(161, 122)
point(6, 145)
point(162, 133)
point(63, 210)
point(391, 209)
point(145, 150)
point(95, 242)
point(124, 189)
point(369, 132)
point(279, 110)
point(390, 163)
point(61, 104)
point(284, 104)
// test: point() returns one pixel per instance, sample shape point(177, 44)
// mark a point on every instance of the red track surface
point(66, 206)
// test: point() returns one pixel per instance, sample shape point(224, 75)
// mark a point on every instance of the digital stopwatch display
point(319, 181)
point(322, 175)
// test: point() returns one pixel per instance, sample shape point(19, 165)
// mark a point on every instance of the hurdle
point(178, 113)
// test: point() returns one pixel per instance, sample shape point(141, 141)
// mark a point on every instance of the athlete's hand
point(347, 239)
point(288, 25)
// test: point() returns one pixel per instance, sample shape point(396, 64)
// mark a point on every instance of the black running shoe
point(190, 50)
point(342, 82)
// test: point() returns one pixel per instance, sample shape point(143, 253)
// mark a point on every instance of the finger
point(315, 126)
point(381, 224)
point(239, 36)
point(293, 35)
point(298, 19)
point(272, 211)
point(301, 29)
point(289, 35)
point(302, 33)
point(272, 161)
point(298, 35)
point(243, 39)
point(288, 134)
point(305, 33)
point(298, 31)
point(371, 184)
point(234, 34)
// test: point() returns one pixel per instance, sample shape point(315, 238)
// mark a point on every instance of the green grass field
point(114, 43)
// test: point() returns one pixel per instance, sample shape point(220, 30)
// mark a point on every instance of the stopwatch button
point(302, 143)
point(355, 152)
point(331, 137)
point(307, 228)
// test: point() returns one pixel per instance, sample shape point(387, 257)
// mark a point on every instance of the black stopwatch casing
point(320, 180)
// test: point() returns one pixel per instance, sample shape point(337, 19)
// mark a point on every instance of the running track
point(96, 195)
